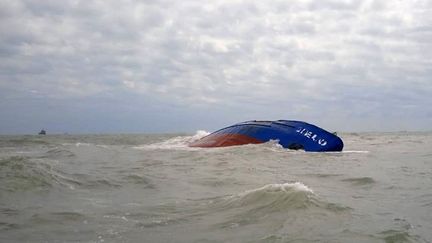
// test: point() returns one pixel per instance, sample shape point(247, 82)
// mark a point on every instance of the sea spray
point(179, 142)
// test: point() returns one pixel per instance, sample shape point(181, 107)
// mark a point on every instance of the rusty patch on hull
point(223, 140)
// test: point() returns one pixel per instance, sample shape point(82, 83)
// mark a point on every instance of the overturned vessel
point(290, 134)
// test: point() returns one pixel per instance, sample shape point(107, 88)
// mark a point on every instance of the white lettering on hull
point(312, 136)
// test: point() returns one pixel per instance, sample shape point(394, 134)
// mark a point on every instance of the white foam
point(178, 143)
point(355, 151)
point(343, 152)
point(273, 145)
point(79, 144)
point(284, 187)
point(83, 144)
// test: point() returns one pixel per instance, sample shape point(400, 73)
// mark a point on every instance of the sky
point(163, 66)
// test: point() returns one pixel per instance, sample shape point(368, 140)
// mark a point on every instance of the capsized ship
point(290, 134)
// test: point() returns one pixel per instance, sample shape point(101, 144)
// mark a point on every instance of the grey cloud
point(244, 55)
point(335, 5)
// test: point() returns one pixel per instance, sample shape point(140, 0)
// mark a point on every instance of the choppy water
point(153, 188)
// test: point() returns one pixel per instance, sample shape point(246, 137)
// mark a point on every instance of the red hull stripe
point(223, 140)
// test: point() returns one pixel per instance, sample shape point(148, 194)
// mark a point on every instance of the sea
point(154, 188)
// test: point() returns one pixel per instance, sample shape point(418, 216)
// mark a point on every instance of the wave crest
point(274, 197)
point(285, 187)
point(180, 142)
point(360, 181)
point(22, 174)
point(287, 200)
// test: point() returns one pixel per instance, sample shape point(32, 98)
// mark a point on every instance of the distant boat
point(42, 132)
point(290, 134)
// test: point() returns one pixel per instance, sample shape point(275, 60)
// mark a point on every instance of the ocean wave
point(160, 221)
point(354, 151)
point(272, 145)
point(4, 226)
point(360, 181)
point(79, 144)
point(176, 143)
point(397, 236)
point(56, 217)
point(96, 181)
point(83, 144)
point(285, 187)
point(273, 197)
point(90, 181)
point(86, 145)
point(139, 180)
point(323, 175)
point(282, 201)
point(19, 173)
point(17, 141)
point(58, 153)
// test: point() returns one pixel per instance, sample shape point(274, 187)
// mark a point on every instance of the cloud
point(280, 59)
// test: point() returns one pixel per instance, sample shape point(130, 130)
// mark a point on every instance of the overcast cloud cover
point(179, 66)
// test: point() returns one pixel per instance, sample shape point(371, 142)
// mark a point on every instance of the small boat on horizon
point(297, 135)
point(42, 132)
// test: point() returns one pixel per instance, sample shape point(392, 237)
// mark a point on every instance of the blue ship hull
point(290, 134)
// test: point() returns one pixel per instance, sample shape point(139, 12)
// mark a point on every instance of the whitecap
point(355, 151)
point(83, 144)
point(178, 143)
point(284, 187)
point(344, 152)
point(272, 198)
